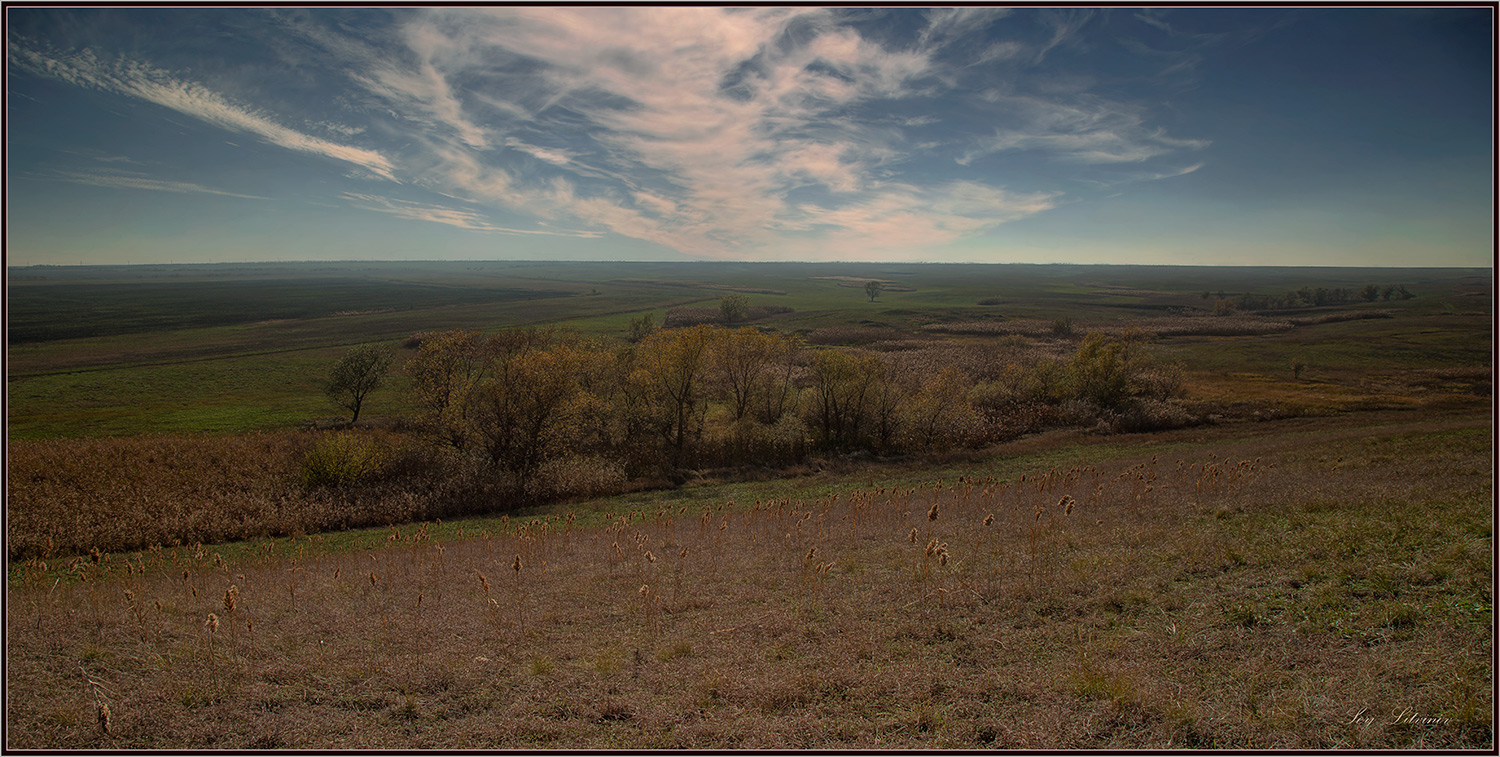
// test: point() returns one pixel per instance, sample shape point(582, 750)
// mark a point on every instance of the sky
point(1200, 136)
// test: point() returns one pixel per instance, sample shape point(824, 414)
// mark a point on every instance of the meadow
point(1302, 558)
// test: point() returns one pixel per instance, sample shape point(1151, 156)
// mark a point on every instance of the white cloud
point(142, 81)
point(134, 181)
point(900, 220)
point(943, 23)
point(463, 219)
point(1090, 130)
point(557, 157)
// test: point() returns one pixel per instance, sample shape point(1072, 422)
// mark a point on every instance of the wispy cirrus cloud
point(463, 219)
point(903, 217)
point(1084, 130)
point(121, 180)
point(145, 82)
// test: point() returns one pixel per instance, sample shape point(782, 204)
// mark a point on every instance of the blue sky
point(1244, 136)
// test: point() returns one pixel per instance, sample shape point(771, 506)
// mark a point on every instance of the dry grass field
point(1308, 584)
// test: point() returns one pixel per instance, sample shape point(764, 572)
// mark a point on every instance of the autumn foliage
point(518, 417)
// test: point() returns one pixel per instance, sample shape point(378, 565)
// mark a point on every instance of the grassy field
point(90, 385)
point(1307, 566)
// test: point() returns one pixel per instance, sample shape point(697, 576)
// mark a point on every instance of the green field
point(236, 347)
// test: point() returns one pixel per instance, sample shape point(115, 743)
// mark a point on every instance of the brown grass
point(70, 496)
point(1312, 589)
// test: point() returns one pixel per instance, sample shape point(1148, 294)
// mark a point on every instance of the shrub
point(1153, 415)
point(733, 308)
point(640, 328)
point(748, 441)
point(1100, 371)
point(1082, 412)
point(1159, 383)
point(576, 476)
point(341, 460)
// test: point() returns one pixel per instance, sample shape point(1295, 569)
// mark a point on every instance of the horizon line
point(1490, 267)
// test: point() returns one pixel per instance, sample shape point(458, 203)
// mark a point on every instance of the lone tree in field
point(874, 289)
point(734, 308)
point(360, 371)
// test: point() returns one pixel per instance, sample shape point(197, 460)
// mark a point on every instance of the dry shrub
point(576, 476)
point(1153, 415)
point(1159, 382)
point(1079, 411)
point(749, 441)
point(68, 496)
point(71, 495)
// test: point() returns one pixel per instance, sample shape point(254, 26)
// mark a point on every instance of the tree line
point(1314, 297)
point(520, 403)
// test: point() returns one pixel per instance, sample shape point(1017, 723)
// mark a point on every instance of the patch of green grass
point(60, 310)
point(225, 395)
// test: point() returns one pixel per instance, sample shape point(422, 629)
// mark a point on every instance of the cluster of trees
point(523, 398)
point(526, 403)
point(1312, 297)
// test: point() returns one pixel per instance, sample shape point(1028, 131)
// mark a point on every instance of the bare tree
point(874, 288)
